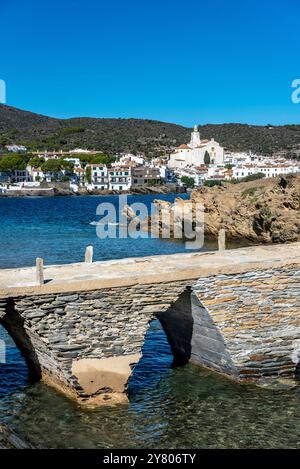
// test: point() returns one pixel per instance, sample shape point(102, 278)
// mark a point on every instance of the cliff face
point(264, 211)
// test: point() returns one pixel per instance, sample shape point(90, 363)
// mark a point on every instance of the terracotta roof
point(202, 168)
point(184, 147)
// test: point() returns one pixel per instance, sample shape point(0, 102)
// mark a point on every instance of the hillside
point(109, 135)
point(116, 135)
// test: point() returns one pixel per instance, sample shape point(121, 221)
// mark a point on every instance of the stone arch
point(193, 335)
point(80, 371)
point(109, 377)
point(14, 324)
point(18, 317)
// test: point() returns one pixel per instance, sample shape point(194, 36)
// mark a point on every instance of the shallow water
point(169, 408)
point(184, 407)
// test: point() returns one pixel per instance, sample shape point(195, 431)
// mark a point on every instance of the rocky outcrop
point(264, 211)
point(170, 189)
point(37, 192)
point(47, 190)
point(138, 190)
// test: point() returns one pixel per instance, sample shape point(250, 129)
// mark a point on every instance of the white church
point(194, 152)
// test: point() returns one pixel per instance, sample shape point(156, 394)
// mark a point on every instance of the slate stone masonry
point(258, 316)
point(246, 325)
point(99, 324)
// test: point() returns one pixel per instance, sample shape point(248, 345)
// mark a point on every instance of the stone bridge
point(236, 312)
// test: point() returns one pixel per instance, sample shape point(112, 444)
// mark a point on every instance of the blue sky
point(177, 61)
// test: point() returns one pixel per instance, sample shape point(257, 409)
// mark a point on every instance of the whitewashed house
point(120, 178)
point(269, 170)
point(99, 176)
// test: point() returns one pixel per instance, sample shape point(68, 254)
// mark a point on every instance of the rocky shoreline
point(57, 191)
point(263, 211)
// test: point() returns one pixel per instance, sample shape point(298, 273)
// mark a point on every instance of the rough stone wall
point(62, 328)
point(258, 316)
point(245, 325)
point(208, 346)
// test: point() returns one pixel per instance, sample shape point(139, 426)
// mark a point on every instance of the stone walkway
point(155, 269)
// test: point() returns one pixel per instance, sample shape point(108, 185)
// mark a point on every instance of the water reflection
point(170, 408)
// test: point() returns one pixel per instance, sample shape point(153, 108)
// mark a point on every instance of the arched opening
point(167, 344)
point(155, 363)
point(14, 372)
point(19, 343)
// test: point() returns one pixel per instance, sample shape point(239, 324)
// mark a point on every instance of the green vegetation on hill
point(188, 181)
point(54, 166)
point(13, 162)
point(112, 136)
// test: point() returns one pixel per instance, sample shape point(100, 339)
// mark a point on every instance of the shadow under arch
point(13, 323)
point(177, 322)
point(193, 336)
point(167, 344)
point(155, 362)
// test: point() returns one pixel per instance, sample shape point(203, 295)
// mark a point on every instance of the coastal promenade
point(235, 312)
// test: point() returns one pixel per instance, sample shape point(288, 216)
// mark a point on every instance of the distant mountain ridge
point(152, 137)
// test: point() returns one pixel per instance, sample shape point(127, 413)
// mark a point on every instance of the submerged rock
point(10, 440)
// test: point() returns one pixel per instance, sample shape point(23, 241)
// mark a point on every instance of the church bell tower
point(195, 137)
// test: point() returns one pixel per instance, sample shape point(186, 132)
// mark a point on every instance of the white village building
point(270, 170)
point(99, 176)
point(120, 178)
point(130, 158)
point(193, 153)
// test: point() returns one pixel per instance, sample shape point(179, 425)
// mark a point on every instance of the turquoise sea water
point(185, 407)
point(58, 229)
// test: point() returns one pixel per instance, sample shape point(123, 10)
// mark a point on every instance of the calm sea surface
point(169, 408)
